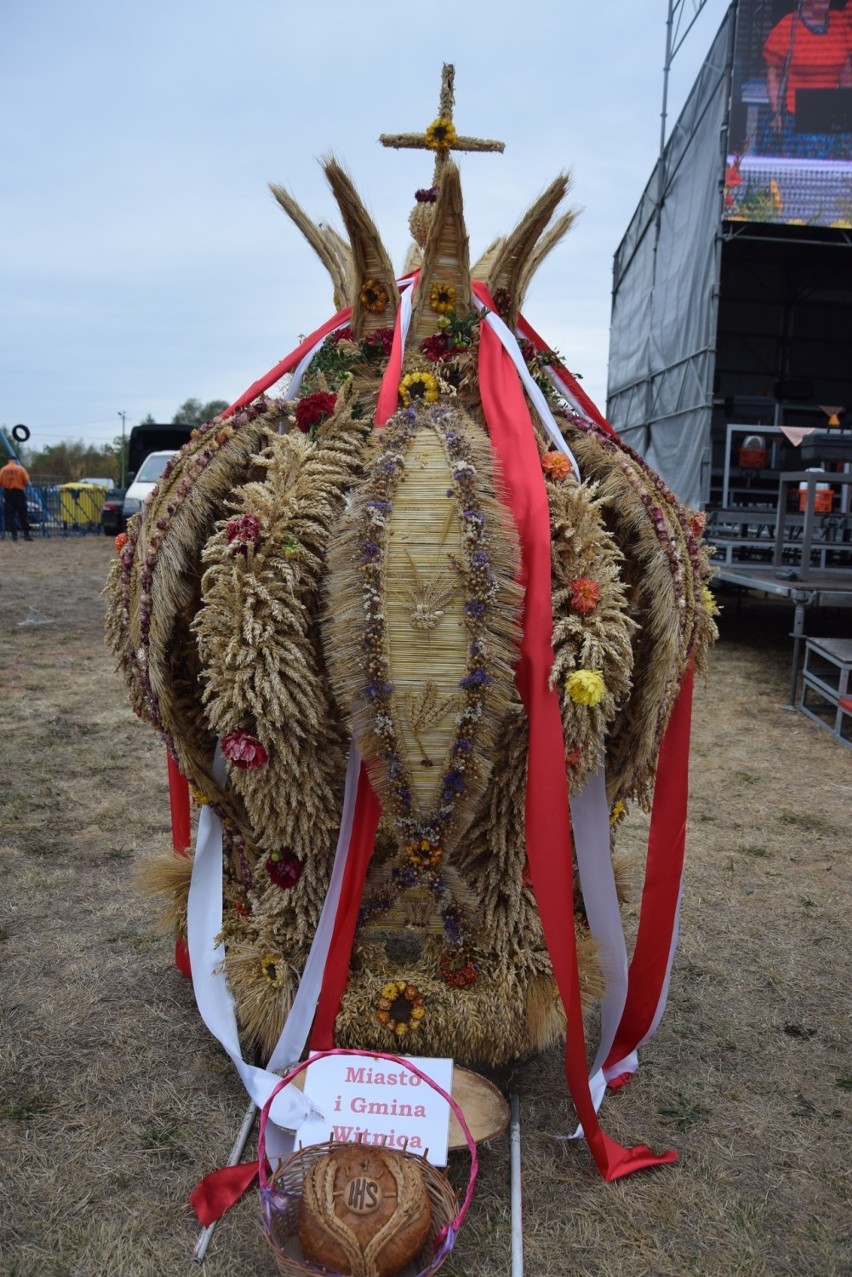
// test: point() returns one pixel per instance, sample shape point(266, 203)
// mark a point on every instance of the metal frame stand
point(240, 1142)
point(517, 1205)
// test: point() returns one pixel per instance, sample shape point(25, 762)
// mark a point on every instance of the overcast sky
point(145, 261)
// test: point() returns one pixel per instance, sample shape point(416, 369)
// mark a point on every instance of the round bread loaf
point(364, 1211)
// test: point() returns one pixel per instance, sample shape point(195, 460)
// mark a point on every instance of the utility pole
point(123, 416)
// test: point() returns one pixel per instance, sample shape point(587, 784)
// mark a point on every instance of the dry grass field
point(114, 1100)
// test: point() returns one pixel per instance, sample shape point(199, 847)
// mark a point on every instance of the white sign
point(380, 1103)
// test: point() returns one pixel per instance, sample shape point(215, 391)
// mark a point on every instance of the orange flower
point(585, 594)
point(556, 466)
point(120, 542)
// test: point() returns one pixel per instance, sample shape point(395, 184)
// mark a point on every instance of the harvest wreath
point(427, 551)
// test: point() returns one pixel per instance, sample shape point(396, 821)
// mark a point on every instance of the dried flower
point(377, 343)
point(284, 868)
point(314, 409)
point(585, 687)
point(437, 347)
point(242, 532)
point(503, 304)
point(418, 386)
point(401, 1007)
point(442, 298)
point(426, 195)
point(422, 852)
point(708, 601)
point(120, 542)
point(244, 750)
point(457, 970)
point(556, 466)
point(441, 134)
point(374, 296)
point(585, 594)
point(273, 970)
point(697, 523)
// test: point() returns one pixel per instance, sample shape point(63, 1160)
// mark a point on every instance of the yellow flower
point(391, 989)
point(442, 298)
point(708, 600)
point(374, 296)
point(441, 134)
point(585, 687)
point(421, 386)
point(273, 970)
point(617, 812)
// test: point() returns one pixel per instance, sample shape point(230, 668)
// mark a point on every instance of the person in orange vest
point(13, 481)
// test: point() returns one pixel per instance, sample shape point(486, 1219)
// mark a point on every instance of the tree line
point(74, 459)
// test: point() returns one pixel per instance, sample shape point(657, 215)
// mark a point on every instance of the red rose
point(244, 751)
point(313, 409)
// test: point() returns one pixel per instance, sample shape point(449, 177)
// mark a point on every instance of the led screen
point(790, 140)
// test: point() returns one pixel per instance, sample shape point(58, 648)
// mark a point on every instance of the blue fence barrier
point(61, 510)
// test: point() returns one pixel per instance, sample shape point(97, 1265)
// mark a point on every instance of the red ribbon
point(289, 362)
point(548, 822)
point(181, 837)
point(365, 822)
point(219, 1190)
point(649, 965)
point(388, 400)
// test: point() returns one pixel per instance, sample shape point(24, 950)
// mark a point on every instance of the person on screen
point(808, 49)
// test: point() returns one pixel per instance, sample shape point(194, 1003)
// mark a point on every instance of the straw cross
point(441, 136)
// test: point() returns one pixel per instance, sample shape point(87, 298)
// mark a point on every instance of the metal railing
point(60, 510)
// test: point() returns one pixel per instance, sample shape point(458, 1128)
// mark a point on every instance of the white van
point(144, 481)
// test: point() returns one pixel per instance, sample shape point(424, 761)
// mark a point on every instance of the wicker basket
point(281, 1193)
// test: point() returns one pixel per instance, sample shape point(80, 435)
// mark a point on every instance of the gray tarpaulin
point(665, 284)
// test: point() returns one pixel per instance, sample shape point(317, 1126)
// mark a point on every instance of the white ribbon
point(405, 308)
point(590, 820)
point(630, 1063)
point(510, 344)
point(213, 997)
